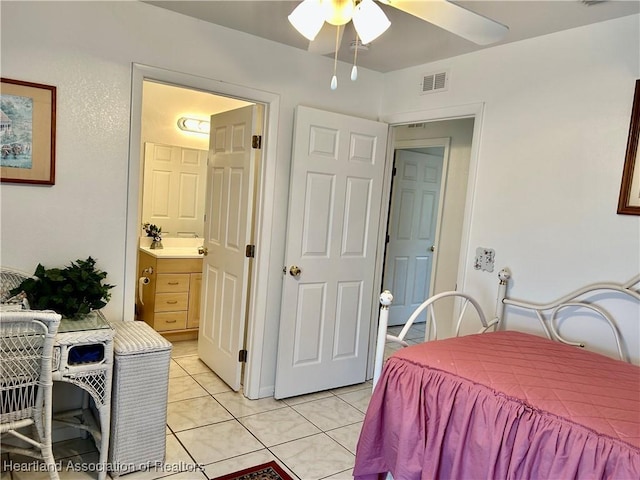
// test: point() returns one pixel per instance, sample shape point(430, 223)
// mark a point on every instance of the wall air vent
point(435, 82)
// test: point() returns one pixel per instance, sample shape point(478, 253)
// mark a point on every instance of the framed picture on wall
point(27, 132)
point(629, 201)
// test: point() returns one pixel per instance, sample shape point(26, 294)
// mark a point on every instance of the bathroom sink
point(173, 252)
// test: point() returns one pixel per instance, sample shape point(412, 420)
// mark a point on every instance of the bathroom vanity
point(169, 287)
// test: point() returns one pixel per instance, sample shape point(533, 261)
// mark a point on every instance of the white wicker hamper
point(139, 397)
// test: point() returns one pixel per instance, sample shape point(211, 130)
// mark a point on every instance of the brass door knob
point(295, 271)
point(203, 251)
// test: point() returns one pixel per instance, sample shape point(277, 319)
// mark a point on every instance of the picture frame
point(629, 200)
point(27, 132)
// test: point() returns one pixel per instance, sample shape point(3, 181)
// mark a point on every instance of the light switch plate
point(485, 259)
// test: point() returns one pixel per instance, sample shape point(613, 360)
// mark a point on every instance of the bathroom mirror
point(174, 189)
point(174, 161)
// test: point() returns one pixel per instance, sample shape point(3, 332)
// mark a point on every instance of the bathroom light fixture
point(194, 125)
point(368, 19)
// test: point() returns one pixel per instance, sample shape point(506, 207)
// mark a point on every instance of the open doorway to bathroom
point(261, 275)
point(172, 197)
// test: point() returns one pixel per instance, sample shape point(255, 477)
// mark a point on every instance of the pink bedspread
point(503, 405)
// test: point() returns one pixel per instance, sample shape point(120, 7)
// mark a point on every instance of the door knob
point(203, 251)
point(295, 271)
point(433, 248)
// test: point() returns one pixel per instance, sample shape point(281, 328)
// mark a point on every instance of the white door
point(174, 183)
point(332, 231)
point(228, 230)
point(412, 231)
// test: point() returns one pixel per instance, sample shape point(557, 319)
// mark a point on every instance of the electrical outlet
point(485, 259)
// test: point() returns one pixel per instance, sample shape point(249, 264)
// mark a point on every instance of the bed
point(504, 404)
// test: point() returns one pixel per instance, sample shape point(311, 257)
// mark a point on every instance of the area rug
point(266, 471)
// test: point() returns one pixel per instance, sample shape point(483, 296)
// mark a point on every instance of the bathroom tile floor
point(212, 431)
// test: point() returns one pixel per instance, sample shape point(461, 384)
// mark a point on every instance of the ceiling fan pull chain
point(334, 79)
point(354, 69)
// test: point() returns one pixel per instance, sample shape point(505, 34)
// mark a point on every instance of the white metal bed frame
point(546, 314)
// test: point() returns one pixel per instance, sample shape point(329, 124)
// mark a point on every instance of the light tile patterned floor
point(212, 431)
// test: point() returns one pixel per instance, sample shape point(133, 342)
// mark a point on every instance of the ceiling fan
point(370, 21)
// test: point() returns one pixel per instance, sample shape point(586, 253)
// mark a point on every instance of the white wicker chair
point(26, 347)
point(11, 278)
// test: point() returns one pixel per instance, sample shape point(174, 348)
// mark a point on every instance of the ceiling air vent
point(435, 82)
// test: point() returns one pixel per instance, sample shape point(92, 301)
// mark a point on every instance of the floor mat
point(266, 471)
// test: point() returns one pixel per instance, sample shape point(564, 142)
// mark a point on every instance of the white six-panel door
point(332, 230)
point(228, 230)
point(412, 231)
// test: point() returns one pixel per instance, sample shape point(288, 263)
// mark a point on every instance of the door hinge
point(256, 141)
point(242, 356)
point(386, 240)
point(393, 173)
point(250, 251)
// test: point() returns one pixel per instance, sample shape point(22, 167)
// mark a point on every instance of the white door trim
point(264, 216)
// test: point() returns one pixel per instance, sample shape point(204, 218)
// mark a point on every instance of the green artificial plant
point(73, 291)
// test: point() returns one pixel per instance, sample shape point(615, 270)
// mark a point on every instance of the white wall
point(552, 147)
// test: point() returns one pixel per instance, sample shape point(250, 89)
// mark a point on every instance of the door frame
point(472, 110)
point(263, 216)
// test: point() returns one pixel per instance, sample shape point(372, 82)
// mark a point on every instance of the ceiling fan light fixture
point(369, 21)
point(337, 12)
point(308, 18)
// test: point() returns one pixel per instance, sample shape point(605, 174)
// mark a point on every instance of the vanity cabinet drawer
point(170, 321)
point(169, 302)
point(169, 283)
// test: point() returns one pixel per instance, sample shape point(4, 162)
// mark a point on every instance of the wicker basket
point(139, 397)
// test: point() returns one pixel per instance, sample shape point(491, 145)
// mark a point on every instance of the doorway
point(454, 139)
point(173, 197)
point(267, 175)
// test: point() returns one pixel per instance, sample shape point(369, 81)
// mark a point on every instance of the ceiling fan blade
point(454, 18)
point(325, 41)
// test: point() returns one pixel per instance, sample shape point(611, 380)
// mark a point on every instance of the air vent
point(435, 82)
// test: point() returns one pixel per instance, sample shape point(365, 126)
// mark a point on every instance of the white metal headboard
point(546, 313)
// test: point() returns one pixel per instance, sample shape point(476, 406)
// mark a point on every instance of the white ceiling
point(409, 41)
